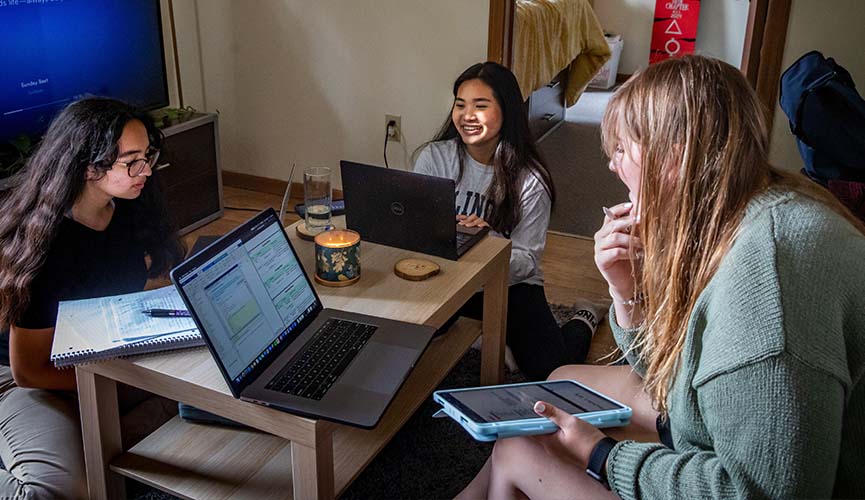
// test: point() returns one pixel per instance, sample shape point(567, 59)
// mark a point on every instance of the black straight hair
point(515, 155)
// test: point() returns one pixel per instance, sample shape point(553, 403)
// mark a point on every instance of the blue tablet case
point(528, 427)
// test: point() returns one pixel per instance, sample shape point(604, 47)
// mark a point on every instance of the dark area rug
point(429, 458)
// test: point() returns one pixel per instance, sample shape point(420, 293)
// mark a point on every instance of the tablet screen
point(516, 402)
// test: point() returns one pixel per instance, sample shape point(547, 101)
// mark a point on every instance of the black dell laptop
point(275, 343)
point(405, 210)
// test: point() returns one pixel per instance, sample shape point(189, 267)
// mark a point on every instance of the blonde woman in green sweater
point(739, 301)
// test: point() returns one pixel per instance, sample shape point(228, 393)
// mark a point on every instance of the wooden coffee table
point(284, 455)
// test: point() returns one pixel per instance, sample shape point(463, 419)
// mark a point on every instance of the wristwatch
point(597, 460)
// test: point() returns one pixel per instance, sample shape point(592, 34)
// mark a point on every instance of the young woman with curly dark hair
point(86, 220)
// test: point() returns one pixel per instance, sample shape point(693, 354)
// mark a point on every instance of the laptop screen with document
point(250, 294)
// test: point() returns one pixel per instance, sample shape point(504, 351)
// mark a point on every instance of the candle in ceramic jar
point(337, 257)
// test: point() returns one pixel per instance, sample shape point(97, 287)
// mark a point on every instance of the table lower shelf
point(208, 461)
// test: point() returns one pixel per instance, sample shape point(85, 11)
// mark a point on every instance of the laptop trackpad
point(378, 367)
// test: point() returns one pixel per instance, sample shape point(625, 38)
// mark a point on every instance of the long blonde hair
point(704, 145)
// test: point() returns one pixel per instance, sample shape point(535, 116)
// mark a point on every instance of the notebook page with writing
point(87, 329)
point(129, 321)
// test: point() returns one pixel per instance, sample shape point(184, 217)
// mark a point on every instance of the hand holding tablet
point(502, 411)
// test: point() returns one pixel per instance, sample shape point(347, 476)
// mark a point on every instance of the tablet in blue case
point(502, 411)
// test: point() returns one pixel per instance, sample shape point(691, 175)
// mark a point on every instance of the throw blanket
point(551, 35)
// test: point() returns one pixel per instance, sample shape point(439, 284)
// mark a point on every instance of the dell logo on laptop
point(397, 208)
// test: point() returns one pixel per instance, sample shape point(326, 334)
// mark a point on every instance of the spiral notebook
point(109, 327)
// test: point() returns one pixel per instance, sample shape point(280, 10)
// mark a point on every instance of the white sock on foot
point(589, 313)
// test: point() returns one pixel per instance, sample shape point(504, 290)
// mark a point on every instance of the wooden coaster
point(416, 269)
point(303, 232)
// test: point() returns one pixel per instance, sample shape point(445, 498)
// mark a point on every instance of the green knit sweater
point(769, 401)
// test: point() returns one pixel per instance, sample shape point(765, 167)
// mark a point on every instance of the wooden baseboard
point(570, 235)
point(265, 184)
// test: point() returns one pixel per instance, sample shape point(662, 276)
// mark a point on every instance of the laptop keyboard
point(466, 237)
point(313, 371)
point(463, 238)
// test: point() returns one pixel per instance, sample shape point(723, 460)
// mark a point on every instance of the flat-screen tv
point(53, 52)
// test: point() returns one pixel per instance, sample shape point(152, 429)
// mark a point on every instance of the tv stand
point(190, 171)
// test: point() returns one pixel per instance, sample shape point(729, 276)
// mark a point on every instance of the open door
point(763, 50)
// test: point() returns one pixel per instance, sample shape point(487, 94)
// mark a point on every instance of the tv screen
point(53, 52)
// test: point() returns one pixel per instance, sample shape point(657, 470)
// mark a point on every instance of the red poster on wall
point(674, 32)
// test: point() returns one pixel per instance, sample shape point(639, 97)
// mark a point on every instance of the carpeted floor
point(583, 182)
point(429, 458)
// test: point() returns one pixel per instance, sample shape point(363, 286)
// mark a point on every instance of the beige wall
point(720, 33)
point(310, 81)
point(836, 29)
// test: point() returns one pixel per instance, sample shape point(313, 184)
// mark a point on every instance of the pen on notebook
point(166, 313)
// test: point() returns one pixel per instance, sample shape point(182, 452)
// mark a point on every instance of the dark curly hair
point(84, 134)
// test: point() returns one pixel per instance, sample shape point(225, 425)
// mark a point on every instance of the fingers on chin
point(613, 228)
point(613, 255)
point(622, 208)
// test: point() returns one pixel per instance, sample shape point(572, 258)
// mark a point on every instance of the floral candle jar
point(337, 257)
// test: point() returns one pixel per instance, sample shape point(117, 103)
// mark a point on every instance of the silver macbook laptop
point(274, 342)
point(405, 210)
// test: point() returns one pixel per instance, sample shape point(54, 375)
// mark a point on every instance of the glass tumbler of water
point(316, 197)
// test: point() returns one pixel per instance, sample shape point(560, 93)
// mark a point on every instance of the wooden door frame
point(762, 54)
point(500, 34)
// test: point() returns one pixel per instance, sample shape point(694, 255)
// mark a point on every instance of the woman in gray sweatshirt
point(501, 181)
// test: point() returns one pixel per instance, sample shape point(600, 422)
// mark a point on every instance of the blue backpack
point(827, 116)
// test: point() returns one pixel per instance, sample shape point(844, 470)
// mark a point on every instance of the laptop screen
point(250, 294)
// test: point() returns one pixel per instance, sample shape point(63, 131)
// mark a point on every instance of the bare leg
point(479, 486)
point(520, 467)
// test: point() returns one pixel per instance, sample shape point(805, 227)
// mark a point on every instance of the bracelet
point(638, 299)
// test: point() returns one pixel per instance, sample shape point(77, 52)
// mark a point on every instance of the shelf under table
point(212, 461)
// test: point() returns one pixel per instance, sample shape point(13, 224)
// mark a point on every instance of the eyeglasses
point(136, 167)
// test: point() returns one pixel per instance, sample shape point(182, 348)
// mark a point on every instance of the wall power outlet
point(394, 134)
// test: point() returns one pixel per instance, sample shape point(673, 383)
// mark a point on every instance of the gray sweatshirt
point(528, 237)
